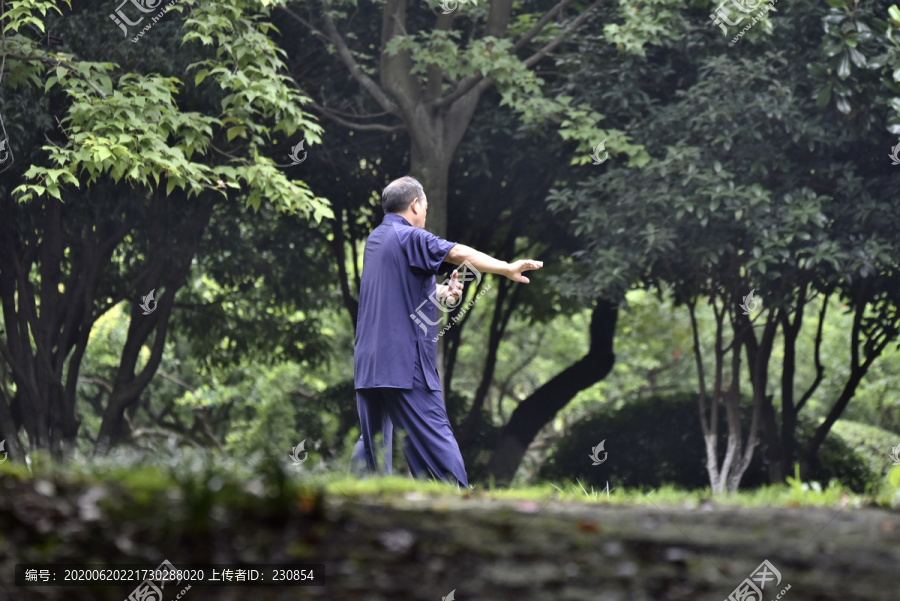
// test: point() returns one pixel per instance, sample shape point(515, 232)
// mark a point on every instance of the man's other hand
point(516, 269)
point(454, 288)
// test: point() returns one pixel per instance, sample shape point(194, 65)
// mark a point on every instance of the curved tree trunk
point(541, 407)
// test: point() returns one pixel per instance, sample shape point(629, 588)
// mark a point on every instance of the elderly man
point(395, 359)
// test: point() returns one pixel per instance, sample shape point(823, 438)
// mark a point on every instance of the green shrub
point(658, 440)
point(870, 442)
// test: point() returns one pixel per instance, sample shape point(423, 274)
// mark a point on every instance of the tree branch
point(55, 62)
point(540, 25)
point(304, 22)
point(347, 58)
point(100, 381)
point(357, 126)
point(820, 369)
point(170, 378)
point(540, 54)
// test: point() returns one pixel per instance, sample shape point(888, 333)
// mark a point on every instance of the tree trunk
point(499, 321)
point(47, 329)
point(542, 406)
point(8, 431)
point(759, 352)
point(169, 273)
point(432, 169)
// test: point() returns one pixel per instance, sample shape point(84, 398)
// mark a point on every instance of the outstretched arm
point(488, 264)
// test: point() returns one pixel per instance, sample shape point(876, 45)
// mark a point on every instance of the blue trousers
point(429, 445)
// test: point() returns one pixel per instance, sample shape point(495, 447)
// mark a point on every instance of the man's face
point(420, 209)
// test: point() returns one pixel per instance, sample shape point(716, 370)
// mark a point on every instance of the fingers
point(529, 265)
point(454, 288)
point(526, 265)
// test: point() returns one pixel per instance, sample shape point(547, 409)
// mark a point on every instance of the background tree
point(430, 79)
point(775, 192)
point(128, 128)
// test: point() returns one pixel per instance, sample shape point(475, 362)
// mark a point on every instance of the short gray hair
point(400, 193)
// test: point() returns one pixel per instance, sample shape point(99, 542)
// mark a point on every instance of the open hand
point(516, 269)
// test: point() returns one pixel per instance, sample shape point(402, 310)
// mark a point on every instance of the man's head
point(406, 197)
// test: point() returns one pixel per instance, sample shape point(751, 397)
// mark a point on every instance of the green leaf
point(894, 474)
point(842, 104)
point(233, 132)
point(824, 96)
point(857, 57)
point(816, 70)
point(843, 69)
point(894, 12)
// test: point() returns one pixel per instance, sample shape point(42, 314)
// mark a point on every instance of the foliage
point(861, 54)
point(870, 442)
point(752, 187)
point(132, 129)
point(655, 441)
point(261, 289)
point(269, 410)
point(644, 23)
point(158, 412)
point(145, 143)
point(759, 157)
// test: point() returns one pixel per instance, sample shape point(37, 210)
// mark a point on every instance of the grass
point(148, 477)
point(784, 495)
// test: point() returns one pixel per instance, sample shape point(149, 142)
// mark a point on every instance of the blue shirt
point(398, 316)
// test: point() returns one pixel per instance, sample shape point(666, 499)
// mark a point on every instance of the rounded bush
point(658, 440)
